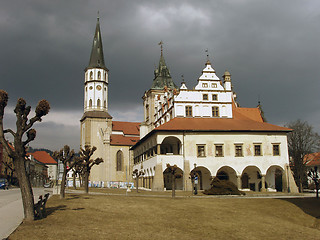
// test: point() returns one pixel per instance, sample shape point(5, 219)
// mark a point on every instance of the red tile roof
point(128, 128)
point(312, 159)
point(43, 156)
point(247, 113)
point(219, 124)
point(122, 140)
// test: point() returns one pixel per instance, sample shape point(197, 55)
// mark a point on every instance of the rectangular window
point(215, 111)
point(213, 85)
point(205, 96)
point(219, 150)
point(188, 111)
point(257, 150)
point(201, 150)
point(238, 150)
point(214, 97)
point(205, 85)
point(276, 149)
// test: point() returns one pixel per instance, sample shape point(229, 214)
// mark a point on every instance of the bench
point(40, 207)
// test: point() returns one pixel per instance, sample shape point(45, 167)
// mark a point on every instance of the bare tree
point(136, 174)
point(18, 152)
point(301, 141)
point(68, 160)
point(313, 174)
point(173, 170)
point(88, 163)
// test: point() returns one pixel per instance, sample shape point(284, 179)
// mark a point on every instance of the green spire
point(97, 58)
point(162, 76)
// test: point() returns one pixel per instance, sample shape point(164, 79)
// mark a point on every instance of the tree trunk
point(173, 186)
point(86, 181)
point(25, 188)
point(137, 183)
point(74, 180)
point(63, 183)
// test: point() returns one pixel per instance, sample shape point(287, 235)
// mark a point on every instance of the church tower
point(162, 82)
point(96, 122)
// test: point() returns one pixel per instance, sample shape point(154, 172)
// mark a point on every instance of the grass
point(81, 216)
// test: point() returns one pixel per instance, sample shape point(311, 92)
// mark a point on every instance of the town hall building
point(202, 130)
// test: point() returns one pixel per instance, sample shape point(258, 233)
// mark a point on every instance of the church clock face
point(98, 87)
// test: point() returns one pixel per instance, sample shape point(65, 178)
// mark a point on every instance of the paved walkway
point(11, 209)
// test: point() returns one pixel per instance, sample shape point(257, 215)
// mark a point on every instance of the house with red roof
point(47, 160)
point(312, 160)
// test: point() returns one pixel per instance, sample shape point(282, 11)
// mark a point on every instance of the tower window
point(214, 85)
point(188, 111)
point(90, 103)
point(215, 111)
point(91, 75)
point(105, 76)
point(99, 75)
point(204, 85)
point(105, 103)
point(98, 103)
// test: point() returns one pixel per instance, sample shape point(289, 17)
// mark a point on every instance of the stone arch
point(227, 173)
point(167, 180)
point(204, 177)
point(275, 177)
point(119, 161)
point(170, 145)
point(251, 178)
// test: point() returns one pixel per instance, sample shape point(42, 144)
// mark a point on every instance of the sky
point(271, 48)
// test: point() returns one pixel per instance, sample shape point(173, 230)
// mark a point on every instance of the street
point(11, 210)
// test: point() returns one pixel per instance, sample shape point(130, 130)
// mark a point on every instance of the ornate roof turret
point(97, 58)
point(162, 76)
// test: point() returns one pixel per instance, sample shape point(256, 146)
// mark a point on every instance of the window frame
point(274, 153)
point(216, 153)
point(255, 150)
point(198, 150)
point(214, 97)
point(188, 111)
point(215, 111)
point(236, 154)
point(205, 97)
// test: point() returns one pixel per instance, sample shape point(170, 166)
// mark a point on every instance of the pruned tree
point(69, 160)
point(88, 163)
point(25, 131)
point(136, 174)
point(174, 171)
point(313, 174)
point(301, 141)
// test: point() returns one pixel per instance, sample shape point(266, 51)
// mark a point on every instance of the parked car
point(4, 183)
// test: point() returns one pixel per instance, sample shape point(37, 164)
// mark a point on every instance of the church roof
point(162, 76)
point(97, 58)
point(128, 128)
point(95, 114)
point(123, 140)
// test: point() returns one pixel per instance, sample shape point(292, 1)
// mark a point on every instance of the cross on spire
point(161, 46)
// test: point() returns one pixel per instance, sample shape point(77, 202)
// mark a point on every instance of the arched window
point(90, 103)
point(105, 76)
point(98, 103)
point(105, 103)
point(99, 75)
point(119, 160)
point(91, 75)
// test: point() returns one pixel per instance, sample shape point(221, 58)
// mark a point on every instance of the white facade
point(96, 90)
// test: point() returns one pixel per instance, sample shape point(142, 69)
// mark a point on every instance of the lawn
point(82, 216)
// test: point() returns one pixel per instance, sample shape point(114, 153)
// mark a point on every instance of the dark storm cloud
point(271, 49)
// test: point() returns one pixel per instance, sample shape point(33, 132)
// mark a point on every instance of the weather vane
point(161, 45)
